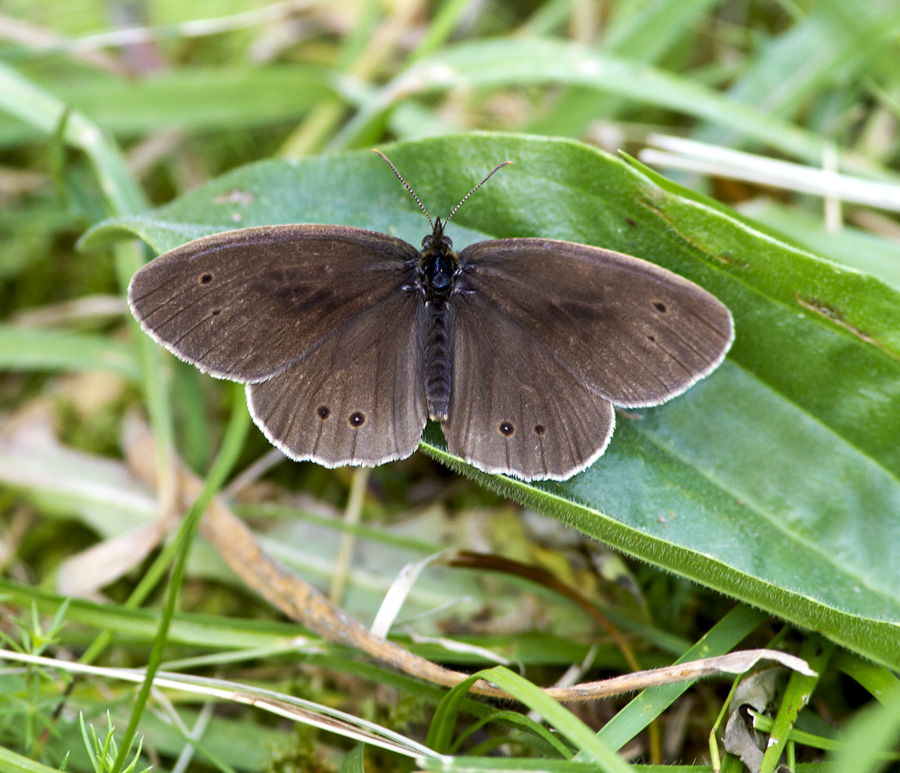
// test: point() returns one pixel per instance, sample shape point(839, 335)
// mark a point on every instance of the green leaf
point(853, 247)
point(869, 738)
point(645, 707)
point(641, 32)
point(48, 115)
point(354, 761)
point(775, 480)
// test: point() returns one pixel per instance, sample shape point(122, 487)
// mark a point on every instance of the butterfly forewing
point(245, 304)
point(624, 328)
point(356, 398)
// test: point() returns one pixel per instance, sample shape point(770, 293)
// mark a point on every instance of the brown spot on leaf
point(836, 316)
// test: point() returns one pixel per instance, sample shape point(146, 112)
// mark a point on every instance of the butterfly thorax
point(438, 271)
point(438, 264)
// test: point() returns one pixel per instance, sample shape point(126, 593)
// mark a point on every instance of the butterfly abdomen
point(438, 357)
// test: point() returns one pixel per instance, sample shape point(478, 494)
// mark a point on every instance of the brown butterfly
point(348, 339)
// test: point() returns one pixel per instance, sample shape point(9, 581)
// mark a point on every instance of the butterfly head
point(438, 263)
point(436, 239)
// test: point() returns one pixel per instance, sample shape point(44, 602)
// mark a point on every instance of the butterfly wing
point(627, 329)
point(244, 304)
point(320, 321)
point(357, 398)
point(513, 409)
point(548, 334)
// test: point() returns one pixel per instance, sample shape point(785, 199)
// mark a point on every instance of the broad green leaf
point(853, 247)
point(775, 480)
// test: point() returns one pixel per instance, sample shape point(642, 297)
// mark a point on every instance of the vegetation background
point(761, 509)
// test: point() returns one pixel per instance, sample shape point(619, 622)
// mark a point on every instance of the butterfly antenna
point(407, 186)
point(463, 199)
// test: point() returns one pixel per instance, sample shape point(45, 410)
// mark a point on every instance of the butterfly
point(349, 340)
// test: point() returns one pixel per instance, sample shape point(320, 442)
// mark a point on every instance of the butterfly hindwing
point(356, 398)
point(513, 409)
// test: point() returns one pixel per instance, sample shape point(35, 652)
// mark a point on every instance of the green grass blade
point(232, 444)
point(508, 63)
point(553, 713)
point(723, 637)
point(41, 110)
point(41, 349)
